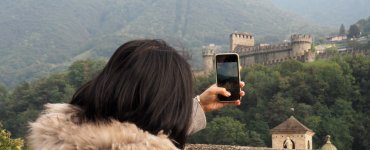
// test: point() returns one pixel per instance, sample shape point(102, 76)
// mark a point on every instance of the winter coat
point(59, 128)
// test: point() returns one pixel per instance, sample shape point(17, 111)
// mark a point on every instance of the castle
point(243, 44)
point(299, 48)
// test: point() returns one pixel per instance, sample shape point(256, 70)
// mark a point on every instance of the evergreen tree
point(342, 30)
point(354, 31)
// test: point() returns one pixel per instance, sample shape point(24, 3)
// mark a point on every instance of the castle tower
point(240, 38)
point(291, 134)
point(300, 44)
point(208, 53)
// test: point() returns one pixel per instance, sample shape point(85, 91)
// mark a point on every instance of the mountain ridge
point(42, 35)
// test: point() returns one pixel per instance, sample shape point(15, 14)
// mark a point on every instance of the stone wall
point(226, 147)
point(301, 141)
point(299, 46)
point(263, 54)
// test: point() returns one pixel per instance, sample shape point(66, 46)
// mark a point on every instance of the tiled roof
point(291, 125)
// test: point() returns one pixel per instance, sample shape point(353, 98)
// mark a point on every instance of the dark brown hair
point(145, 82)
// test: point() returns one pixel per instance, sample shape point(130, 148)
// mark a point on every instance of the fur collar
point(57, 128)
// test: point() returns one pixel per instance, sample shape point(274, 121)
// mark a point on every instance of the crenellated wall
point(298, 49)
point(300, 44)
point(243, 43)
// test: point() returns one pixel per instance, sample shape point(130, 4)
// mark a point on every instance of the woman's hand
point(209, 100)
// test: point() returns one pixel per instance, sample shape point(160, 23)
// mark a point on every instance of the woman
point(142, 99)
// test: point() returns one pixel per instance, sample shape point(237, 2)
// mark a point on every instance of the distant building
point(337, 38)
point(291, 134)
point(322, 47)
point(208, 54)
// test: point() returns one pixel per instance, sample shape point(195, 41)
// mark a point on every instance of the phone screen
point(227, 66)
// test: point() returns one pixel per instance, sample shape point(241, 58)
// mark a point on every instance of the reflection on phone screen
point(228, 77)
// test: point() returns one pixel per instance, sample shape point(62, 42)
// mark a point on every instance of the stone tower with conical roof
point(291, 134)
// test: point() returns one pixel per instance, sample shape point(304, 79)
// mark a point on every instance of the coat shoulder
point(58, 127)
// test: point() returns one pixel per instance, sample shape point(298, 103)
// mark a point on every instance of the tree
point(83, 70)
point(342, 30)
point(6, 143)
point(28, 99)
point(228, 131)
point(3, 98)
point(354, 31)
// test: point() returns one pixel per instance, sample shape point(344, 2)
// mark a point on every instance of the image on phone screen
point(228, 76)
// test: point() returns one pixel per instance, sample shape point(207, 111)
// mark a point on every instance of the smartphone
point(228, 75)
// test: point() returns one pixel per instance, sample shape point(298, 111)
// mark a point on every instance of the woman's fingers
point(242, 84)
point(234, 103)
point(242, 93)
point(221, 91)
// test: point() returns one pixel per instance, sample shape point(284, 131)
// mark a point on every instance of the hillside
point(328, 97)
point(327, 12)
point(40, 37)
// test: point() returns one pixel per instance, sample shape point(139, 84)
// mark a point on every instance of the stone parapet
point(301, 38)
point(226, 147)
point(244, 35)
point(243, 50)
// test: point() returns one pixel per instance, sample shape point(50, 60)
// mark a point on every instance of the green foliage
point(328, 96)
point(27, 99)
point(354, 31)
point(364, 25)
point(3, 99)
point(226, 130)
point(6, 143)
point(82, 71)
point(332, 50)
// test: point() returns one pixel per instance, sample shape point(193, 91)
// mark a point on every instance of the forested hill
point(37, 37)
point(336, 11)
point(328, 96)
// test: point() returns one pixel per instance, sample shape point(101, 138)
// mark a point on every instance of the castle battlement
point(243, 35)
point(301, 38)
point(243, 50)
point(209, 50)
point(243, 43)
